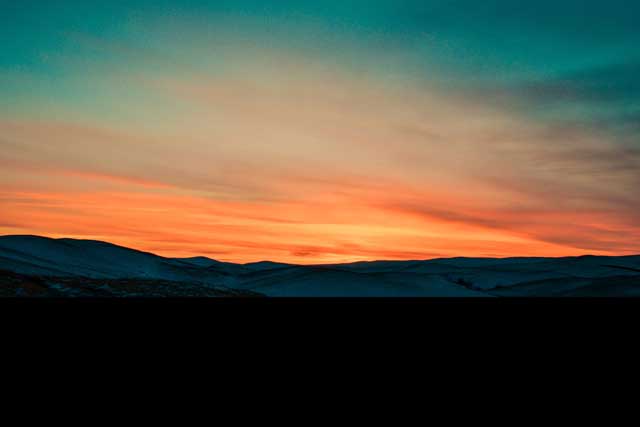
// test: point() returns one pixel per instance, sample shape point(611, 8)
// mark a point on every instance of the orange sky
point(334, 228)
point(297, 161)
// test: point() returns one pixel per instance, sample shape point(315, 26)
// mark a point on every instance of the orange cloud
point(300, 163)
point(315, 231)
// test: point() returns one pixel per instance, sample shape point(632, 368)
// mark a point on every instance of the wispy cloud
point(252, 149)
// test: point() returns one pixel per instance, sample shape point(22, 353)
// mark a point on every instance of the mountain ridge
point(353, 263)
point(94, 261)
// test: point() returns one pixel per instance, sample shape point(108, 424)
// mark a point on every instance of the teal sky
point(511, 118)
point(584, 50)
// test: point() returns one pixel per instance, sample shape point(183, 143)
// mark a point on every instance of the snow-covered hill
point(100, 260)
point(95, 261)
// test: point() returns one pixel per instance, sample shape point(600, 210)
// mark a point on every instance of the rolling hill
point(39, 266)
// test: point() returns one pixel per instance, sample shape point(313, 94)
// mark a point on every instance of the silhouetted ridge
point(81, 267)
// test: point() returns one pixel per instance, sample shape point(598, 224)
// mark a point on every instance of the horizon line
point(319, 264)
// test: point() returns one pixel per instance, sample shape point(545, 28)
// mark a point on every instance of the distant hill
point(92, 268)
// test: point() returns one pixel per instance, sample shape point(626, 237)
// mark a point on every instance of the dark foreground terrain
point(32, 266)
point(19, 285)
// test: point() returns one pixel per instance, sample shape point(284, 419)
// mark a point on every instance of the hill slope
point(101, 265)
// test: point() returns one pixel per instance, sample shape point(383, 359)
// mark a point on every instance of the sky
point(323, 131)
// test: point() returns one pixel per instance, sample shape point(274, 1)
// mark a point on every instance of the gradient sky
point(323, 131)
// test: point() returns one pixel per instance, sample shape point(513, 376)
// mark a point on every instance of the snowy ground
point(88, 268)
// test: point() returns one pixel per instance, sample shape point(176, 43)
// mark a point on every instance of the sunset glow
point(247, 130)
